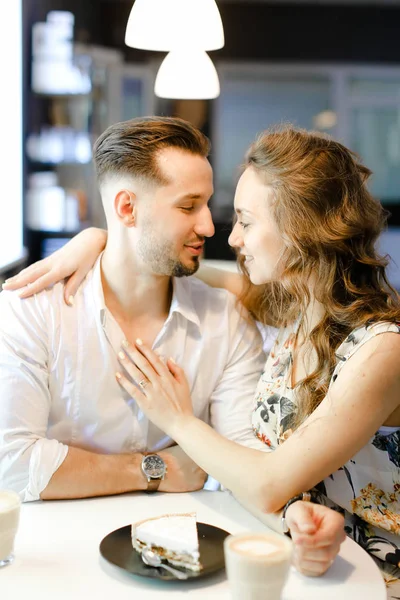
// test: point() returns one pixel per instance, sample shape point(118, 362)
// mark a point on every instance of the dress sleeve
point(356, 339)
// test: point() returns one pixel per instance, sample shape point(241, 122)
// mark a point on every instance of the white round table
point(57, 553)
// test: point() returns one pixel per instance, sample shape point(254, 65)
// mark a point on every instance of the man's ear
point(125, 207)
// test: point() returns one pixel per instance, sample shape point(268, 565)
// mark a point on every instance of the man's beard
point(159, 255)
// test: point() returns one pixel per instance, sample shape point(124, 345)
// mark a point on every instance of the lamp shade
point(165, 25)
point(188, 75)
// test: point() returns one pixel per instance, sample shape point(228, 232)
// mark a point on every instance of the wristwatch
point(154, 469)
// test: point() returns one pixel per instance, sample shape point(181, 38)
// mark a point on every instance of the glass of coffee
point(257, 565)
point(10, 504)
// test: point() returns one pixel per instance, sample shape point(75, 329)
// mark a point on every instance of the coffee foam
point(258, 546)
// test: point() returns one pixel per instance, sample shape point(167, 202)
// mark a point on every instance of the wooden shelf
point(61, 96)
point(40, 163)
point(53, 234)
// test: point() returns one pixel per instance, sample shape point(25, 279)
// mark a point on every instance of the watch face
point(153, 466)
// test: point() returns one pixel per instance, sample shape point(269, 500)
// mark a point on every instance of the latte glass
point(10, 504)
point(257, 565)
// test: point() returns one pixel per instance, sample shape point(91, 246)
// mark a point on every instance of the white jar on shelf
point(49, 44)
point(45, 203)
point(71, 222)
point(64, 21)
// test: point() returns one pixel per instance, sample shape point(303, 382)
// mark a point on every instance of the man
point(67, 429)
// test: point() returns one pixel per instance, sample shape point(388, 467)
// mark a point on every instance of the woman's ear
point(125, 207)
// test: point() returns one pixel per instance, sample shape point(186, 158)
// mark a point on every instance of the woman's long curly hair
point(330, 224)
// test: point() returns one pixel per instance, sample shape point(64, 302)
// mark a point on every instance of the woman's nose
point(235, 240)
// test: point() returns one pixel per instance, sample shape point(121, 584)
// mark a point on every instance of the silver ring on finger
point(143, 383)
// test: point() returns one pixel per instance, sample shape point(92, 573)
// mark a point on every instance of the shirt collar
point(97, 289)
point(181, 302)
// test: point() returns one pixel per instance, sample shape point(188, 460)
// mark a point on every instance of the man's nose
point(205, 226)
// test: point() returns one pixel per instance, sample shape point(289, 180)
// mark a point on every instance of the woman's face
point(255, 232)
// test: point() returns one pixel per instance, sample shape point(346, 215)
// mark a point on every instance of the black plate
point(117, 549)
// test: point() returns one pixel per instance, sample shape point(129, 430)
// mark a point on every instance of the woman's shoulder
point(360, 335)
point(363, 340)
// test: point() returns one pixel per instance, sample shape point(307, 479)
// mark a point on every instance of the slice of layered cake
point(173, 537)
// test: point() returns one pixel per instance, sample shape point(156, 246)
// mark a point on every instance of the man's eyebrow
point(190, 197)
point(193, 196)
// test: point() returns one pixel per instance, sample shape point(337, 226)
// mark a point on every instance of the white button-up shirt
point(58, 386)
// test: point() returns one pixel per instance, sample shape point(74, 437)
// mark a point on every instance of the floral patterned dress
point(367, 488)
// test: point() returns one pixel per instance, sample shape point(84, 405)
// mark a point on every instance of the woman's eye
point(243, 225)
point(187, 208)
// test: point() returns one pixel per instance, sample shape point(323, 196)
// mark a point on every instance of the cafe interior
point(332, 66)
point(70, 69)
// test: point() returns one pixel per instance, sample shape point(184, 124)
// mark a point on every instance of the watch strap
point(152, 485)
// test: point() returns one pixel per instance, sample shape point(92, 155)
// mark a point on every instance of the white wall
point(11, 246)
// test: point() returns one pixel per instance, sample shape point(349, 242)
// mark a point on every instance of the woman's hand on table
point(160, 389)
point(317, 533)
point(72, 261)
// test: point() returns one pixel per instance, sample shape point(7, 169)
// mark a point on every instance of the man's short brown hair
point(130, 147)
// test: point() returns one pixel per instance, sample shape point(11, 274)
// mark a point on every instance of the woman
point(328, 403)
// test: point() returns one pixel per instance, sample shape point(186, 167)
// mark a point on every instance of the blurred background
point(329, 65)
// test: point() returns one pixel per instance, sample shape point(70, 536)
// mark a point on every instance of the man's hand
point(183, 475)
point(317, 533)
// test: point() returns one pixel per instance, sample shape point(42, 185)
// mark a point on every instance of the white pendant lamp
point(187, 74)
point(165, 25)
